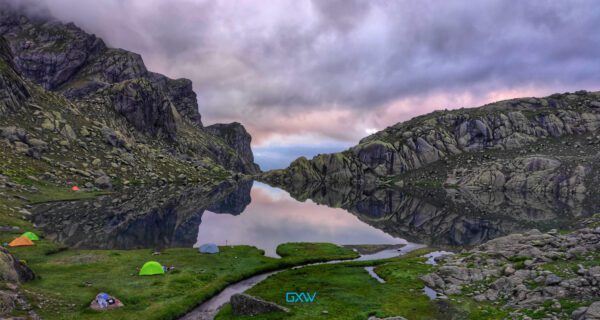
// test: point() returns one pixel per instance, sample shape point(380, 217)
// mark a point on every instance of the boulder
point(246, 305)
point(113, 137)
point(13, 270)
point(590, 313)
point(103, 182)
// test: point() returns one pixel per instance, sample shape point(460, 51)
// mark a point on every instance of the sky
point(307, 77)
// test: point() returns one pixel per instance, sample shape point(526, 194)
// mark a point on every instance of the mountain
point(544, 145)
point(70, 105)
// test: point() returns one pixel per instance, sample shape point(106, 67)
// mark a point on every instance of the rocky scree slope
point(537, 274)
point(114, 94)
point(472, 148)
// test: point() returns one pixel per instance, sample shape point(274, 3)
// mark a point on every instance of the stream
point(209, 309)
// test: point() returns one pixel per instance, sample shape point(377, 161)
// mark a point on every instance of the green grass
point(55, 194)
point(568, 268)
point(347, 291)
point(69, 279)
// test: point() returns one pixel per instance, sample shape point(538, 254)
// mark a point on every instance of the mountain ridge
point(484, 143)
point(101, 107)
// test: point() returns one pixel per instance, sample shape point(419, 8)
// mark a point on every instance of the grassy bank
point(347, 291)
point(69, 279)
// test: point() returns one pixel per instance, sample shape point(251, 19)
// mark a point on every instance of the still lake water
point(274, 217)
point(254, 213)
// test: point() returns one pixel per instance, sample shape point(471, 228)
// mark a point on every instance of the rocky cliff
point(554, 138)
point(112, 92)
point(239, 139)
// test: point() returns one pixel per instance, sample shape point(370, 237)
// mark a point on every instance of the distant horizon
point(320, 79)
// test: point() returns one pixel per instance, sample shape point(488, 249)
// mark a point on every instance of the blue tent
point(209, 248)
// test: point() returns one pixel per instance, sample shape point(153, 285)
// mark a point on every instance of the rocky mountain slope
point(73, 109)
point(544, 145)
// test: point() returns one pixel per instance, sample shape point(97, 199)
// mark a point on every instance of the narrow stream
point(209, 309)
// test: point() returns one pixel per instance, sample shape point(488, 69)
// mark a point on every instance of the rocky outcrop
point(236, 136)
point(142, 104)
point(13, 270)
point(247, 305)
point(510, 125)
point(521, 270)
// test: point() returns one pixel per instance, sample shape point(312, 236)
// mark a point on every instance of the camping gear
point(104, 301)
point(21, 242)
point(75, 188)
point(209, 248)
point(32, 236)
point(151, 268)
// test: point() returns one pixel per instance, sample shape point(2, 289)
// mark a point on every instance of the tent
point(108, 304)
point(151, 268)
point(75, 188)
point(21, 242)
point(32, 236)
point(208, 248)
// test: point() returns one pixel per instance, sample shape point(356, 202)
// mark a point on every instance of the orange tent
point(21, 241)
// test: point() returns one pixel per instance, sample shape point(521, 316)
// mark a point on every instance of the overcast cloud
point(331, 70)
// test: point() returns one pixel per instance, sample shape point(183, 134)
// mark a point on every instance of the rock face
point(520, 270)
point(246, 305)
point(13, 91)
point(235, 135)
point(109, 84)
point(511, 126)
point(13, 270)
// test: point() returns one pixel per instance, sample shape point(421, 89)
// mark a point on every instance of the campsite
point(67, 279)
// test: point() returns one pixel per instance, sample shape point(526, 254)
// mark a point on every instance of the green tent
point(151, 268)
point(32, 236)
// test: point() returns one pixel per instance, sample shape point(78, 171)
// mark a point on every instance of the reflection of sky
point(273, 217)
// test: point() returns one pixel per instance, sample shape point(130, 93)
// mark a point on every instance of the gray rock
point(246, 305)
point(7, 302)
point(13, 270)
point(103, 182)
point(590, 313)
point(113, 137)
point(235, 135)
point(552, 280)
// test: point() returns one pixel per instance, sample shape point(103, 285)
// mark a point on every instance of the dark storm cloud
point(337, 67)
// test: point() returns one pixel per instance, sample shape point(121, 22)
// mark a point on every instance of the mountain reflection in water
point(256, 214)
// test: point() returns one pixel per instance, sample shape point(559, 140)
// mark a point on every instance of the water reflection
point(448, 217)
point(273, 217)
point(149, 218)
point(256, 214)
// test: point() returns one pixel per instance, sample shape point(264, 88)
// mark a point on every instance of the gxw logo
point(302, 297)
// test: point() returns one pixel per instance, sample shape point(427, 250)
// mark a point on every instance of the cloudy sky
point(306, 77)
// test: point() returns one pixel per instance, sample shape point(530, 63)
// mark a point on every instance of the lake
point(254, 213)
